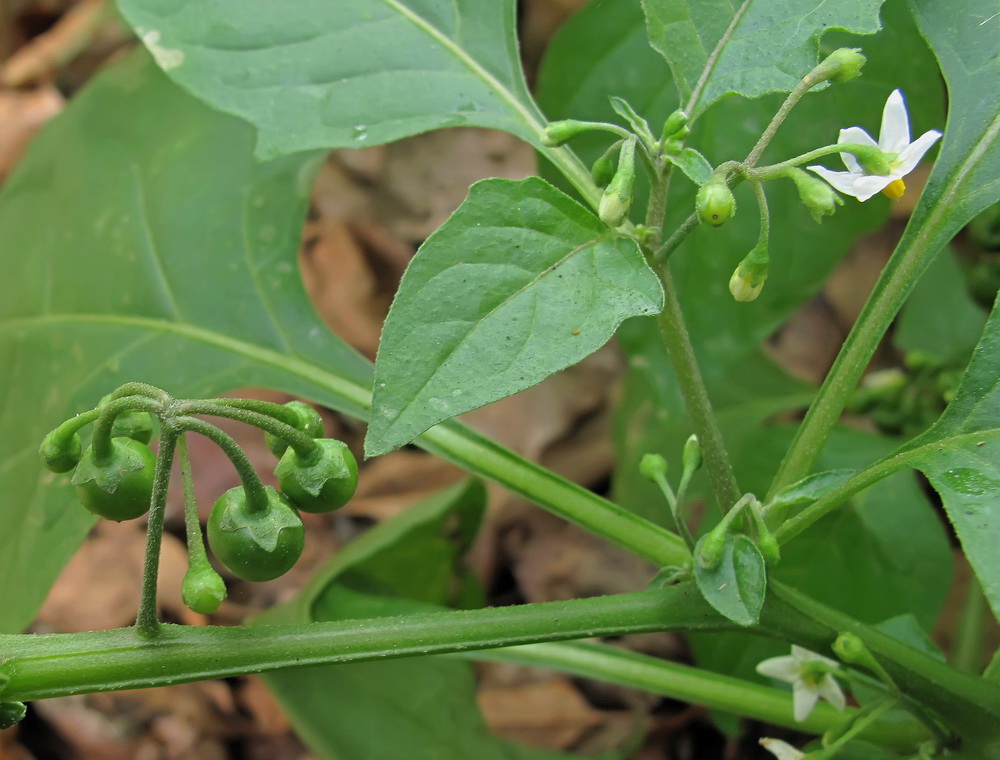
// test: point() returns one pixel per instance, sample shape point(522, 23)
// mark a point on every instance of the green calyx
point(255, 544)
point(309, 422)
point(561, 132)
point(872, 159)
point(322, 482)
point(715, 202)
point(203, 589)
point(603, 170)
point(748, 278)
point(118, 487)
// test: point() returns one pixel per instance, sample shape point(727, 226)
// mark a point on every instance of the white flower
point(780, 749)
point(893, 139)
point(810, 677)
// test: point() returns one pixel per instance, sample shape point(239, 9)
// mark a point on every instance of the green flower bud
point(769, 548)
point(61, 453)
point(603, 170)
point(712, 547)
point(653, 467)
point(842, 65)
point(561, 132)
point(817, 196)
point(748, 279)
point(852, 650)
point(614, 205)
point(715, 202)
point(202, 589)
point(872, 160)
point(692, 457)
point(676, 122)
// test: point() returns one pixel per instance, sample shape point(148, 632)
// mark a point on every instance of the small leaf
point(639, 125)
point(694, 165)
point(736, 587)
point(749, 48)
point(810, 488)
point(519, 283)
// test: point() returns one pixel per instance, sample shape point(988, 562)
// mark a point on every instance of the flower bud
point(769, 548)
point(614, 205)
point(712, 547)
point(715, 202)
point(603, 170)
point(842, 65)
point(653, 467)
point(851, 649)
point(815, 194)
point(676, 122)
point(749, 277)
point(872, 160)
point(561, 132)
point(692, 454)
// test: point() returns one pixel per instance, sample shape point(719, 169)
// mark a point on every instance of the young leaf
point(519, 283)
point(694, 165)
point(639, 125)
point(736, 586)
point(349, 73)
point(716, 48)
point(810, 488)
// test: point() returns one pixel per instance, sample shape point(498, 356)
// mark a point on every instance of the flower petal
point(895, 133)
point(830, 690)
point(782, 668)
point(854, 135)
point(780, 749)
point(861, 186)
point(912, 153)
point(804, 700)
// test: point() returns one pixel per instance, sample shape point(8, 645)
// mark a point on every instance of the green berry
point(309, 422)
point(132, 423)
point(61, 453)
point(321, 483)
point(203, 589)
point(715, 202)
point(120, 486)
point(256, 545)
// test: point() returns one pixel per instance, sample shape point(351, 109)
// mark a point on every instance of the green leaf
point(412, 562)
point(736, 586)
point(717, 47)
point(960, 455)
point(519, 283)
point(694, 165)
point(807, 490)
point(351, 73)
point(172, 262)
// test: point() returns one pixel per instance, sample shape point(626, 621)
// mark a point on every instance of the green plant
point(626, 253)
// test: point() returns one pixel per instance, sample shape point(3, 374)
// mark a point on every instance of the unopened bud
point(748, 279)
point(203, 589)
point(769, 548)
point(614, 205)
point(815, 194)
point(712, 547)
point(676, 122)
point(692, 457)
point(842, 65)
point(714, 202)
point(653, 467)
point(603, 170)
point(561, 132)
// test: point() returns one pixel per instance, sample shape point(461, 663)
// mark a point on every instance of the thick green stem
point(699, 407)
point(147, 621)
point(256, 495)
point(967, 652)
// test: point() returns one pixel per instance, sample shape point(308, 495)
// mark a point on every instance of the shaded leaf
point(737, 585)
point(406, 564)
point(749, 48)
point(310, 74)
point(807, 490)
point(519, 283)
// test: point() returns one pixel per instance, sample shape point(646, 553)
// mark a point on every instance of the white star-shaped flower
point(894, 140)
point(810, 677)
point(781, 750)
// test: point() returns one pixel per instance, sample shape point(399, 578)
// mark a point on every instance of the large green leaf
point(751, 48)
point(350, 73)
point(343, 711)
point(172, 261)
point(519, 283)
point(960, 455)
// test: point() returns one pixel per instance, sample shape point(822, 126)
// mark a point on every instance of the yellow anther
point(895, 189)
